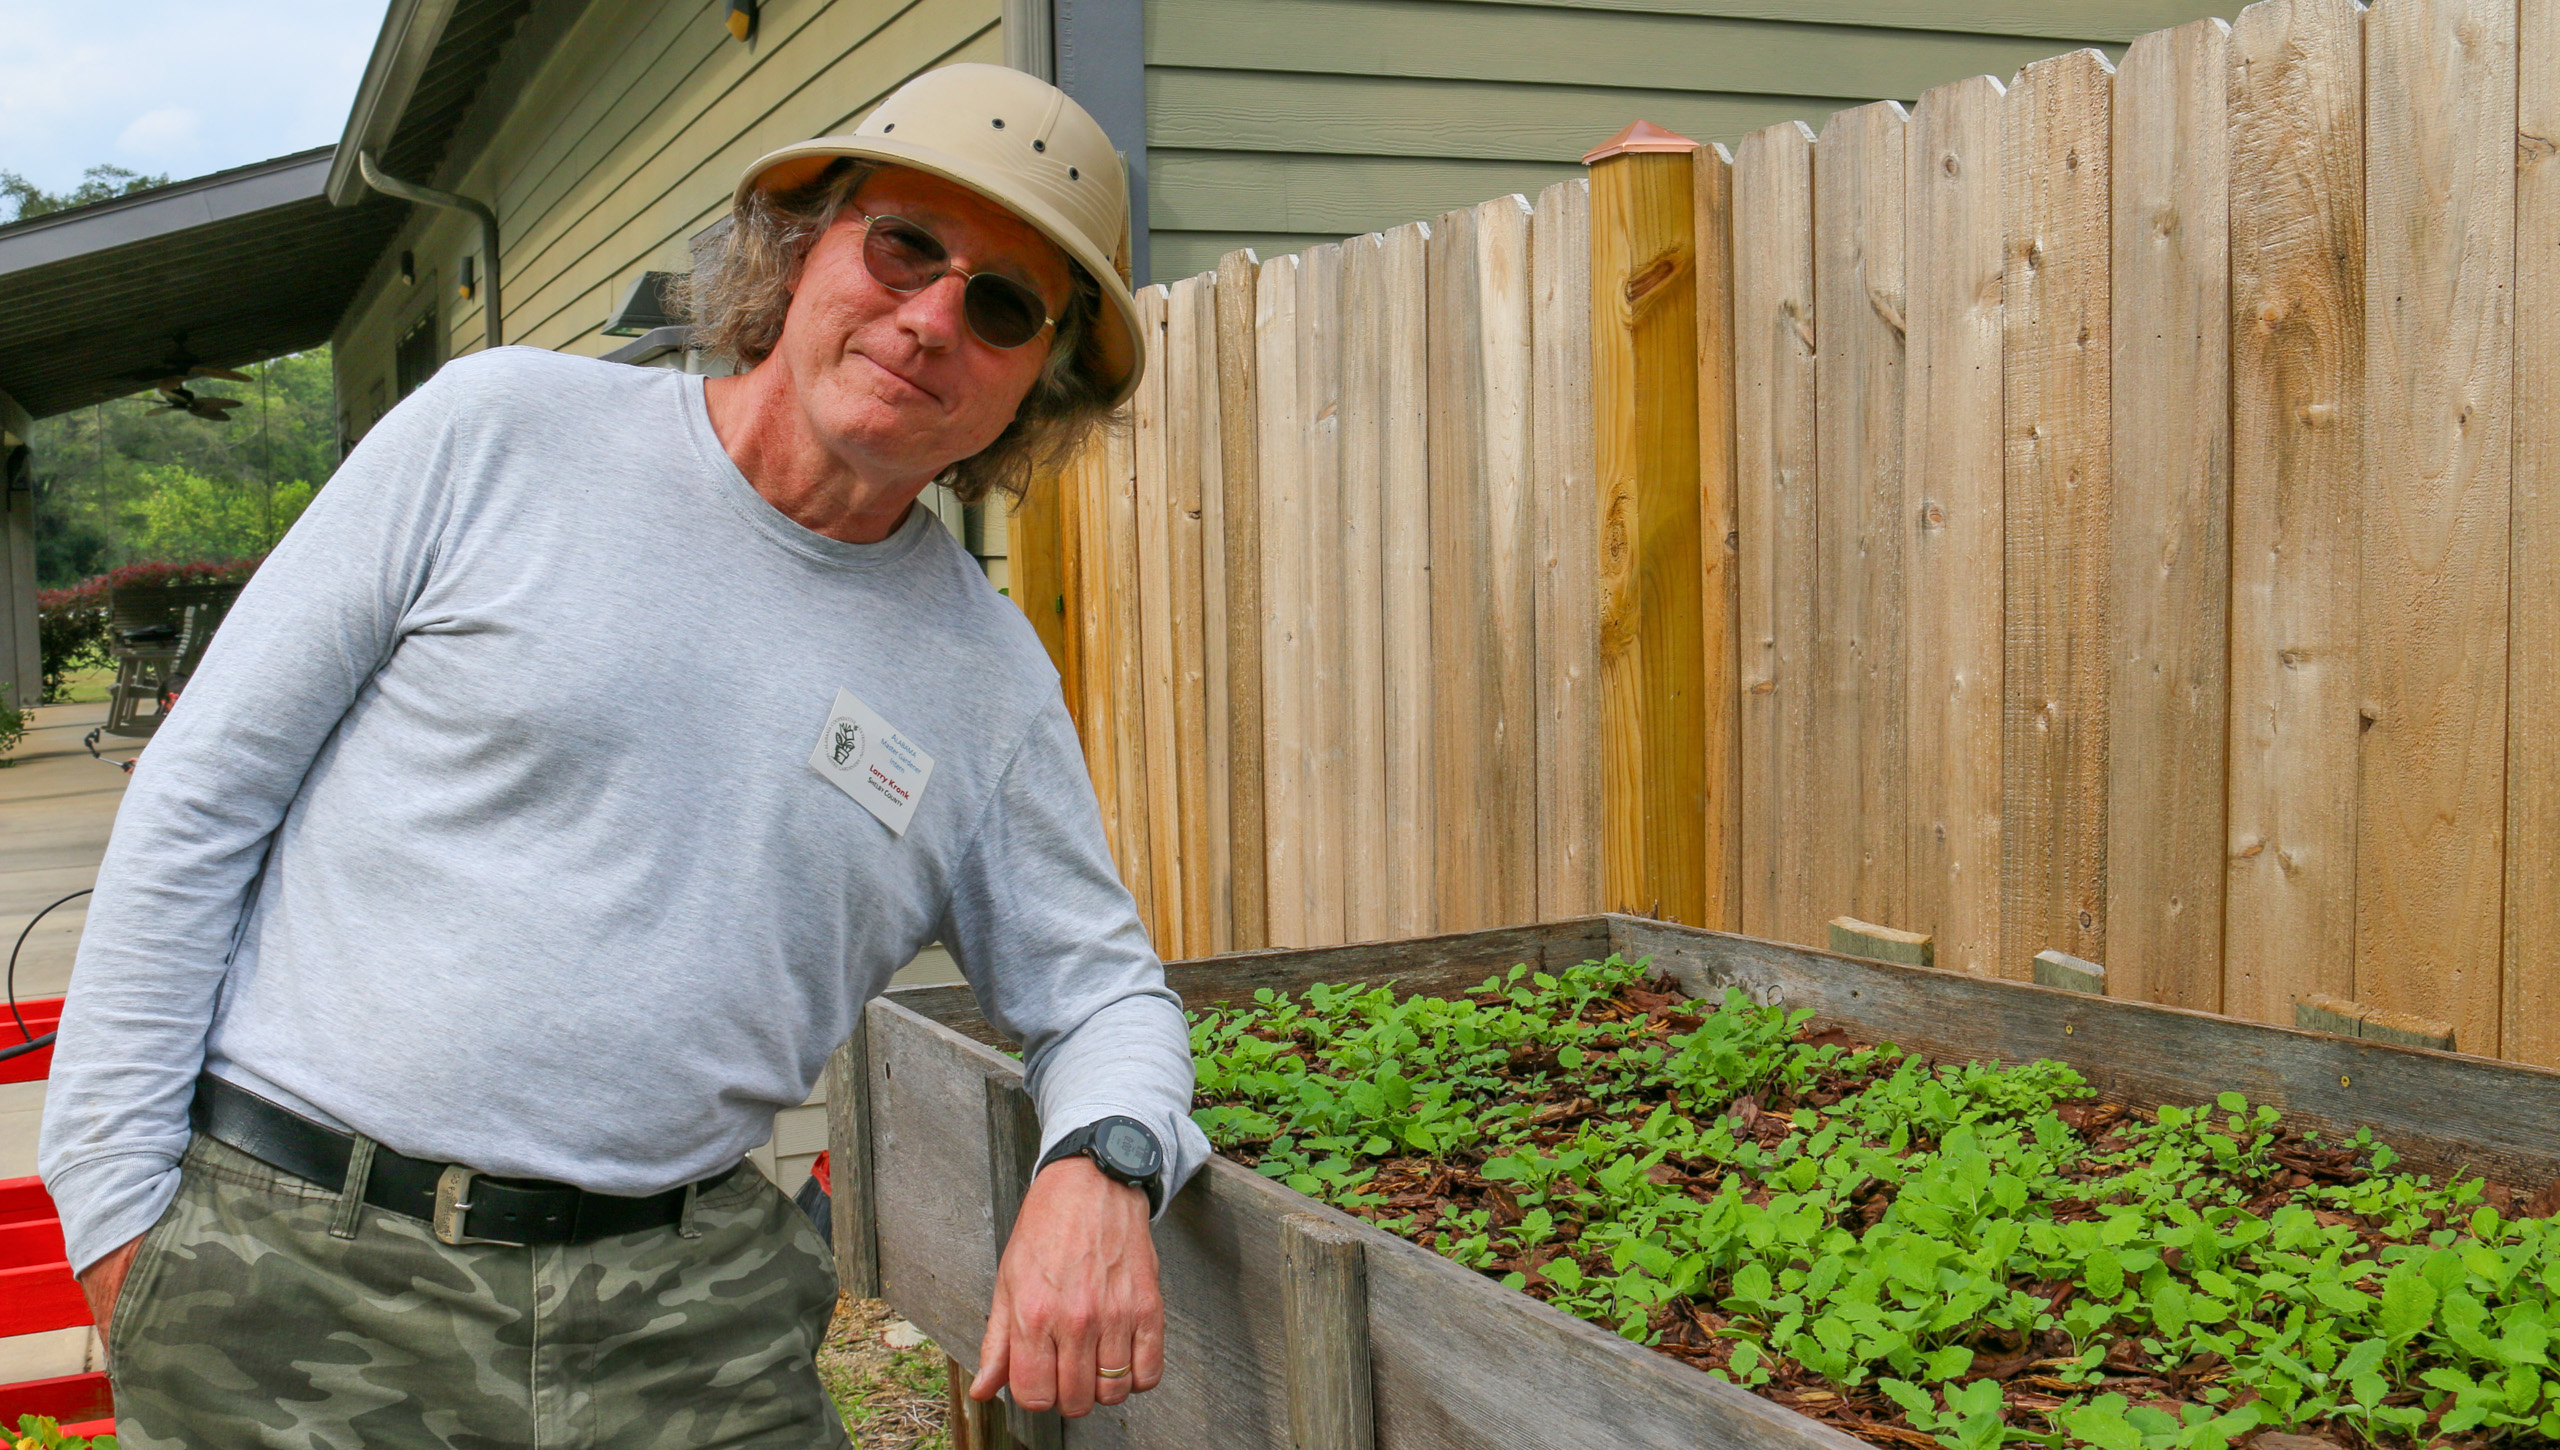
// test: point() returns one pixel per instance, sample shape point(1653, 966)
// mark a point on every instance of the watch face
point(1127, 1147)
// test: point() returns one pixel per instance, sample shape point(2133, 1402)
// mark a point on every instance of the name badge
point(866, 758)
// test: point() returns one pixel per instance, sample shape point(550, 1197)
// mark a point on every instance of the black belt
point(463, 1205)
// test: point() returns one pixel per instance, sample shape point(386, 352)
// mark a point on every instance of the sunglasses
point(904, 257)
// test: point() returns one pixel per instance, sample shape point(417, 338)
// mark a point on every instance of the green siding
point(1274, 123)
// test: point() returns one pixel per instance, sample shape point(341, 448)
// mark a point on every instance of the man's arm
point(193, 832)
point(1052, 944)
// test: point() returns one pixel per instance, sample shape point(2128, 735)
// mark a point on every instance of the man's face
point(895, 383)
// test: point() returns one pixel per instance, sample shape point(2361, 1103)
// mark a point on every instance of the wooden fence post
point(1656, 703)
point(1013, 1145)
point(1327, 1314)
point(852, 1191)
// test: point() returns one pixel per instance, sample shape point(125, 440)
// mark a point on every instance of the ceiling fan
point(210, 407)
point(181, 367)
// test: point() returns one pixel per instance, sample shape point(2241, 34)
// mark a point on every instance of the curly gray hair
point(740, 291)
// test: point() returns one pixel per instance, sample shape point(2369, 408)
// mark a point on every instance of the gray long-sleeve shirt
point(491, 829)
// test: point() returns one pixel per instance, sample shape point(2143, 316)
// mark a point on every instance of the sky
point(185, 88)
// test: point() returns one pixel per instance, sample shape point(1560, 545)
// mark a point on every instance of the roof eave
point(410, 30)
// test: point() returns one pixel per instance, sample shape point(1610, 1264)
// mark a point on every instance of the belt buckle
point(453, 1209)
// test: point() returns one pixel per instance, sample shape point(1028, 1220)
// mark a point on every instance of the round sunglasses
point(904, 257)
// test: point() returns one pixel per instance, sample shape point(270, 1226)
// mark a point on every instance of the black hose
point(31, 1043)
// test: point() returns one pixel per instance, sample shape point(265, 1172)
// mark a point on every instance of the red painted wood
point(28, 1242)
point(40, 1297)
point(80, 1403)
point(24, 1198)
point(42, 1014)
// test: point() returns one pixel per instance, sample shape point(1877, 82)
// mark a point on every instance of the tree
point(99, 184)
point(126, 482)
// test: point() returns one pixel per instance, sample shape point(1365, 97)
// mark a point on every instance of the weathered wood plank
point(1854, 938)
point(2297, 462)
point(1323, 763)
point(1952, 567)
point(1509, 845)
point(2170, 587)
point(853, 1190)
point(1859, 708)
point(1719, 741)
point(1565, 557)
point(1123, 632)
point(1411, 841)
point(1657, 719)
point(1091, 616)
point(1190, 448)
point(1465, 691)
point(2053, 731)
point(1287, 814)
point(2440, 138)
point(1158, 586)
point(1013, 1146)
point(2444, 1111)
point(1217, 626)
point(1239, 457)
point(1035, 562)
point(1774, 490)
point(1327, 1316)
point(1359, 540)
point(2070, 973)
point(2531, 1027)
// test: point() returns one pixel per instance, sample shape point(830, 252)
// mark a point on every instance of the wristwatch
point(1123, 1148)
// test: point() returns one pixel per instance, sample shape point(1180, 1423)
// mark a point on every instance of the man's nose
point(936, 312)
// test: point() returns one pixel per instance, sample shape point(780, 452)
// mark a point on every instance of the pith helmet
point(1021, 143)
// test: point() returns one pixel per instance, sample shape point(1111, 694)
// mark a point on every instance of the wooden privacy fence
point(2116, 512)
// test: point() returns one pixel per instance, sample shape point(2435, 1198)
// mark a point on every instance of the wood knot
point(1644, 283)
point(1933, 516)
point(1950, 165)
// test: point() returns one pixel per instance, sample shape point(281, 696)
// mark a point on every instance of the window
point(420, 353)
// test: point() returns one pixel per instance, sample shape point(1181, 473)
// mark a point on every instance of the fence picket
point(1952, 457)
point(1411, 841)
point(1135, 842)
point(2297, 459)
point(1564, 557)
point(1287, 818)
point(1465, 692)
point(1320, 619)
point(1362, 603)
point(1774, 485)
point(2532, 1028)
point(1504, 315)
point(2440, 143)
point(2053, 796)
point(1191, 454)
point(2170, 589)
point(1158, 586)
point(1858, 775)
point(1240, 450)
point(1216, 629)
point(1717, 735)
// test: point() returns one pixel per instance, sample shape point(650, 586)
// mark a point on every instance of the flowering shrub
point(71, 624)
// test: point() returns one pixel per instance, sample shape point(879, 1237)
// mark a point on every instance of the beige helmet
point(1021, 143)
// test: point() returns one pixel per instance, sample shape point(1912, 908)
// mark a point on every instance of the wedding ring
point(1114, 1374)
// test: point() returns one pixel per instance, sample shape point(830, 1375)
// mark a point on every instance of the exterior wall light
point(742, 19)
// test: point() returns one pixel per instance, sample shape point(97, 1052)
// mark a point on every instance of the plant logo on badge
point(872, 761)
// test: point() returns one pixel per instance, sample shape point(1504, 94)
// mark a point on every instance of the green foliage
point(125, 482)
point(1787, 1209)
point(13, 721)
point(99, 183)
point(36, 1432)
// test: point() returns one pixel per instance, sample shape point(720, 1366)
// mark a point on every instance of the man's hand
point(102, 1281)
point(1076, 1294)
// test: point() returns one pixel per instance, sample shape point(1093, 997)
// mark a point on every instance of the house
point(554, 154)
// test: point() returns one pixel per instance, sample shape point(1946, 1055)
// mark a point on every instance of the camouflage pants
point(246, 1321)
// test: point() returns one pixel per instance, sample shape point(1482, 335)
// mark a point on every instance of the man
point(549, 805)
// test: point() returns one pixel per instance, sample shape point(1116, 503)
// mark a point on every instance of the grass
point(891, 1398)
point(88, 687)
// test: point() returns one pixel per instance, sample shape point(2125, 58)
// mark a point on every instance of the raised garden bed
point(1452, 1357)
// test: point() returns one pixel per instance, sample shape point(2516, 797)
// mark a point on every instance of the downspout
point(428, 196)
